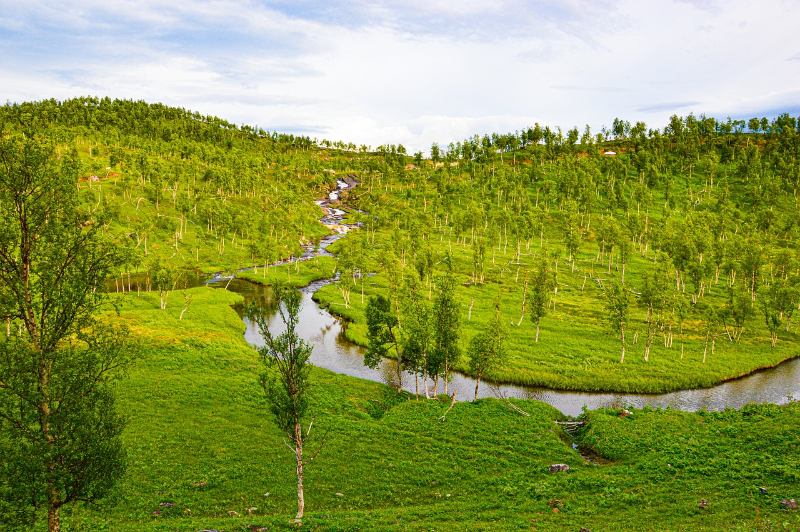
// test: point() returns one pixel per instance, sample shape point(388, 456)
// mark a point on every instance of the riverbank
point(589, 360)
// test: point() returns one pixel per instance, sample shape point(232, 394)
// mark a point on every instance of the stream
point(332, 351)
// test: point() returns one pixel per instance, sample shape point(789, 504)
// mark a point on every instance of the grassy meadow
point(202, 450)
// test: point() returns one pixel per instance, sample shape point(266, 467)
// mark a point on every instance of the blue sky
point(412, 72)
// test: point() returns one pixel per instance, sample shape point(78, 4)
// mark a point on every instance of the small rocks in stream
point(703, 504)
point(789, 504)
point(555, 468)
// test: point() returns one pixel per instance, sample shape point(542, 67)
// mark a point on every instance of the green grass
point(200, 436)
point(577, 349)
point(298, 274)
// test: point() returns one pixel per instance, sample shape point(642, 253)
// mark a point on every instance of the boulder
point(789, 504)
point(555, 468)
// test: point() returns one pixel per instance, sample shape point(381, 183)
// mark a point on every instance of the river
point(332, 351)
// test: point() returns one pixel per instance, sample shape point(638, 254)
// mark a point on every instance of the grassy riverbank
point(200, 437)
point(576, 351)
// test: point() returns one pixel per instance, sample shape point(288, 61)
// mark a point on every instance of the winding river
point(332, 351)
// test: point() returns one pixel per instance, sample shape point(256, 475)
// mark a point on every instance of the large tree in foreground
point(286, 380)
point(59, 432)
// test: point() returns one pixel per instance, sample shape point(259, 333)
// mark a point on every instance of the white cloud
point(411, 73)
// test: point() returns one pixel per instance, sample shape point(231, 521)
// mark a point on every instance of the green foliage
point(285, 357)
point(59, 430)
point(381, 326)
point(486, 349)
point(446, 330)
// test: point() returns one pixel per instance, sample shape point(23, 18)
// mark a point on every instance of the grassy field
point(577, 349)
point(297, 274)
point(201, 445)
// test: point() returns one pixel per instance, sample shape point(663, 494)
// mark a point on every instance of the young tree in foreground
point(286, 380)
point(486, 349)
point(59, 431)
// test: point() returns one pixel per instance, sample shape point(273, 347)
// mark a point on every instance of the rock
point(339, 494)
point(555, 503)
point(251, 510)
point(156, 513)
point(703, 504)
point(555, 468)
point(762, 490)
point(201, 484)
point(625, 412)
point(166, 504)
point(789, 504)
point(585, 530)
point(233, 513)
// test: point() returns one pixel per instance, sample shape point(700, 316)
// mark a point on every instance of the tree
point(418, 340)
point(447, 328)
point(654, 298)
point(286, 379)
point(617, 304)
point(542, 284)
point(486, 350)
point(59, 431)
point(164, 280)
point(738, 309)
point(383, 335)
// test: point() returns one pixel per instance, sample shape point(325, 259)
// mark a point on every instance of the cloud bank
point(411, 72)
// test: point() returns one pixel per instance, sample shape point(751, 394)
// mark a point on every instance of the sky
point(410, 72)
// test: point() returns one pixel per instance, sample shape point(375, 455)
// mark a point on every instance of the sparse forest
point(631, 259)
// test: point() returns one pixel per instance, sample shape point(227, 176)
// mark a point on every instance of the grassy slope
point(576, 349)
point(199, 435)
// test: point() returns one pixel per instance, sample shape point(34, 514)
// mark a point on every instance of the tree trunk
point(446, 375)
point(53, 518)
point(622, 341)
point(537, 331)
point(298, 445)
